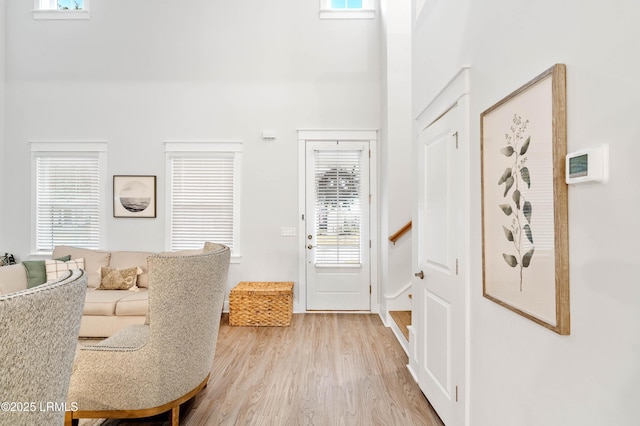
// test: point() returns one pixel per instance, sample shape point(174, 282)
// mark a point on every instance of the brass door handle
point(310, 246)
point(420, 275)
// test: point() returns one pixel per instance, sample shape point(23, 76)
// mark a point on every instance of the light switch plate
point(286, 231)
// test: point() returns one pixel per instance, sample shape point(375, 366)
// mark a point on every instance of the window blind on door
point(202, 200)
point(67, 201)
point(338, 207)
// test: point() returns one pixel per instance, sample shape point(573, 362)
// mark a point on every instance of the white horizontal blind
point(202, 200)
point(67, 201)
point(338, 207)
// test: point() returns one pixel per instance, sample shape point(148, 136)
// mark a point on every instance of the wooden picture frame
point(525, 250)
point(134, 196)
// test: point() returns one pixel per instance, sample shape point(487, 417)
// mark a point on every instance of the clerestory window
point(347, 9)
point(61, 9)
point(346, 4)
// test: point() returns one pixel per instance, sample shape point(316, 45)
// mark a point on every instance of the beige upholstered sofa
point(105, 311)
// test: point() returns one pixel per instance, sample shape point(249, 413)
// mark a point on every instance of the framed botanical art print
point(134, 196)
point(524, 201)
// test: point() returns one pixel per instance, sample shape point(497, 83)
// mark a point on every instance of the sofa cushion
point(56, 267)
point(93, 260)
point(133, 304)
point(118, 279)
point(107, 302)
point(37, 272)
point(102, 302)
point(128, 259)
point(12, 278)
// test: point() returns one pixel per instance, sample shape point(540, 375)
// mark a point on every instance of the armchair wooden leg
point(69, 420)
point(175, 416)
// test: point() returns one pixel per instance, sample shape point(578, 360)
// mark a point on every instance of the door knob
point(420, 275)
point(309, 246)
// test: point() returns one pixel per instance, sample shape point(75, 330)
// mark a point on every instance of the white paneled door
point(337, 225)
point(438, 285)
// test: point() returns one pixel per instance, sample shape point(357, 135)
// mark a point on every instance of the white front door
point(337, 225)
point(439, 251)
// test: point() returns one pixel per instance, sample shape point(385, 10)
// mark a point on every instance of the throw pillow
point(36, 271)
point(118, 279)
point(55, 267)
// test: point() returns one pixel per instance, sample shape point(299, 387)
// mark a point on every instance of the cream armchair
point(38, 339)
point(145, 370)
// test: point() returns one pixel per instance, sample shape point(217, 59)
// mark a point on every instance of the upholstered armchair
point(38, 339)
point(145, 370)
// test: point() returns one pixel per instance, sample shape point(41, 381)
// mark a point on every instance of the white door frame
point(371, 136)
point(456, 91)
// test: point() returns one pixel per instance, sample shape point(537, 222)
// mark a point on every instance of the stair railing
point(395, 237)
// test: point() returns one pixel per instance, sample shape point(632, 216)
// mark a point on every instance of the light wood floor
point(325, 369)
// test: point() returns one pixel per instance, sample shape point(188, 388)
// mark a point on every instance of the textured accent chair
point(38, 339)
point(148, 369)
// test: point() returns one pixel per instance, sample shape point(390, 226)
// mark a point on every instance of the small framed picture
point(134, 196)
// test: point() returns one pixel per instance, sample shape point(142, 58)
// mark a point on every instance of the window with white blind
point(68, 181)
point(203, 194)
point(338, 207)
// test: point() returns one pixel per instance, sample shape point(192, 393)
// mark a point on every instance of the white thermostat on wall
point(588, 165)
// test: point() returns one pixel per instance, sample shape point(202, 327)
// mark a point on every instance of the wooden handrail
point(395, 237)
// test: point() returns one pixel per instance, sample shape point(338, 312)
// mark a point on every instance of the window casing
point(61, 9)
point(203, 194)
point(68, 181)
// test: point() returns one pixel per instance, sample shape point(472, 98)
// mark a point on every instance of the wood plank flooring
point(325, 369)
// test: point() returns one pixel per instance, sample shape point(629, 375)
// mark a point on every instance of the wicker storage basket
point(261, 304)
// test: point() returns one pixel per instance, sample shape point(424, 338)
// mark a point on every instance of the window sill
point(61, 14)
point(347, 14)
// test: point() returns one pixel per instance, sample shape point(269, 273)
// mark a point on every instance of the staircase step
point(403, 319)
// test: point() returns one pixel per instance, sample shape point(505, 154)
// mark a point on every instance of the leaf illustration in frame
point(511, 260)
point(508, 233)
point(505, 176)
point(507, 151)
point(526, 209)
point(526, 259)
point(509, 183)
point(527, 230)
point(526, 176)
point(516, 198)
point(506, 208)
point(525, 146)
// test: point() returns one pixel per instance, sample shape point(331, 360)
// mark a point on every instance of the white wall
point(395, 175)
point(521, 373)
point(3, 178)
point(140, 73)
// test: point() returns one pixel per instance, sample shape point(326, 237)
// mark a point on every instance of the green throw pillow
point(36, 271)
